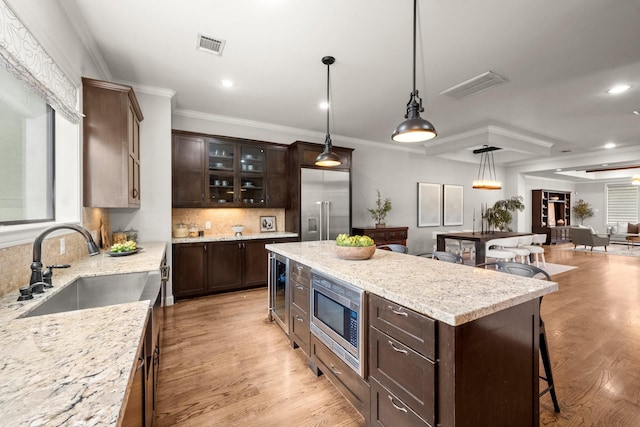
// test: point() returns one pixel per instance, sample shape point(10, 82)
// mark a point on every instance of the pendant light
point(487, 179)
point(328, 158)
point(415, 128)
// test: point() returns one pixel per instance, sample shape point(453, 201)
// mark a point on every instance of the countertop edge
point(232, 238)
point(526, 293)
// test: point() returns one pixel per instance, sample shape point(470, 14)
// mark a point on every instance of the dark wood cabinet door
point(189, 269)
point(256, 263)
point(188, 171)
point(277, 177)
point(224, 266)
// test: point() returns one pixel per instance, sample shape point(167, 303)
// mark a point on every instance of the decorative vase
point(354, 252)
point(381, 225)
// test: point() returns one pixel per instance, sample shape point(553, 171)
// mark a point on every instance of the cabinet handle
point(335, 370)
point(399, 313)
point(299, 319)
point(399, 408)
point(399, 350)
point(134, 193)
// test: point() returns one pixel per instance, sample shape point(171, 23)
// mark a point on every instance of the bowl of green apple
point(354, 247)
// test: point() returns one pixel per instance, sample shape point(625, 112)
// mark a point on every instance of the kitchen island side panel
point(488, 369)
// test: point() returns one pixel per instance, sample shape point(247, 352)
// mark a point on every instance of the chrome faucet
point(36, 283)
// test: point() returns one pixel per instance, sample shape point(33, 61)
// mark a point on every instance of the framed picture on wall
point(429, 208)
point(267, 223)
point(453, 207)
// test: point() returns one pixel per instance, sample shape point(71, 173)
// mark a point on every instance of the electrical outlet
point(207, 225)
point(62, 246)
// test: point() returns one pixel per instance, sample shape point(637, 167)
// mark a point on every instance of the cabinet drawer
point(407, 374)
point(389, 411)
point(354, 388)
point(396, 234)
point(300, 296)
point(413, 329)
point(299, 330)
point(300, 273)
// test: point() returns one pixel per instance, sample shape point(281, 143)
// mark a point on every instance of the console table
point(384, 235)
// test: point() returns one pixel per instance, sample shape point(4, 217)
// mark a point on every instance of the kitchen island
point(480, 366)
point(76, 367)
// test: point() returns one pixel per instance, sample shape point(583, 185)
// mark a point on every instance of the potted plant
point(582, 210)
point(379, 213)
point(500, 215)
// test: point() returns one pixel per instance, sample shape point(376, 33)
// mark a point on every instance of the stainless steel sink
point(100, 291)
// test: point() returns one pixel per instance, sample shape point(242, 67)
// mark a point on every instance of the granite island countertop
point(452, 293)
point(230, 237)
point(72, 368)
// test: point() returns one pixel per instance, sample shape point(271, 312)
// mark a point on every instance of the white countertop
point(72, 368)
point(452, 293)
point(231, 237)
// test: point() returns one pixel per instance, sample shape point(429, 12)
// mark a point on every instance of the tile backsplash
point(15, 261)
point(222, 219)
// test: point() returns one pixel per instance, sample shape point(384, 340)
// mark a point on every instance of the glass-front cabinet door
point(252, 169)
point(222, 167)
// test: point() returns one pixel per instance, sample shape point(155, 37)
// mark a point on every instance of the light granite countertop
point(452, 293)
point(72, 368)
point(231, 237)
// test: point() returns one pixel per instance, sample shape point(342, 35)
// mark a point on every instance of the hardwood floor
point(223, 364)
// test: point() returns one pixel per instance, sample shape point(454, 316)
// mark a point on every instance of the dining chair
point(536, 249)
point(496, 250)
point(448, 257)
point(393, 247)
point(526, 270)
point(451, 245)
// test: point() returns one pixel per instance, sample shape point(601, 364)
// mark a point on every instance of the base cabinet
point(299, 296)
point(354, 388)
point(204, 268)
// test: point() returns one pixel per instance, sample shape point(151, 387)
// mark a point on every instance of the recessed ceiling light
point(609, 145)
point(558, 170)
point(228, 83)
point(619, 89)
point(636, 112)
point(324, 105)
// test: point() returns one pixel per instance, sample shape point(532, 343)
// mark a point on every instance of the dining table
point(479, 238)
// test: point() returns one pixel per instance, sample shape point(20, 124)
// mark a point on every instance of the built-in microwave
point(337, 310)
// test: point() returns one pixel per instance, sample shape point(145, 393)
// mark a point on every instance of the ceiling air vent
point(210, 44)
point(475, 85)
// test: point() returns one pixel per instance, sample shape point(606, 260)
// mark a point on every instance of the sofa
point(585, 236)
point(618, 232)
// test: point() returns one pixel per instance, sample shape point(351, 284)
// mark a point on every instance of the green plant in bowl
point(354, 241)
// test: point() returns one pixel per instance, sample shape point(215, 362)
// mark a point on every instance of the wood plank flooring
point(223, 364)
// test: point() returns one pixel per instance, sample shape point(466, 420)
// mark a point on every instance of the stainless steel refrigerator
point(325, 204)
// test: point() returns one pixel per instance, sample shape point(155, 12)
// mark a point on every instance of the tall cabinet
point(111, 147)
point(551, 214)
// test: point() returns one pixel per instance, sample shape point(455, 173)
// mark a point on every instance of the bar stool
point(448, 257)
point(531, 271)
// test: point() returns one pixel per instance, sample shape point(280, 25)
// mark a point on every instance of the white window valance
point(25, 59)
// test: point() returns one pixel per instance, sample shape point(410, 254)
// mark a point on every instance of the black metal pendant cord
point(328, 60)
point(415, 12)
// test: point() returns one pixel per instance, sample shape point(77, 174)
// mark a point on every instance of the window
point(26, 154)
point(622, 203)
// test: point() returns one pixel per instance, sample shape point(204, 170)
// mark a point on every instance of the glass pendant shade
point(487, 179)
point(328, 158)
point(414, 128)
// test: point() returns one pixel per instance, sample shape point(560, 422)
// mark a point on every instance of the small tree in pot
point(582, 210)
point(379, 213)
point(499, 216)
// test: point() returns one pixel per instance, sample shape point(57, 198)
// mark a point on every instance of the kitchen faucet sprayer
point(36, 283)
